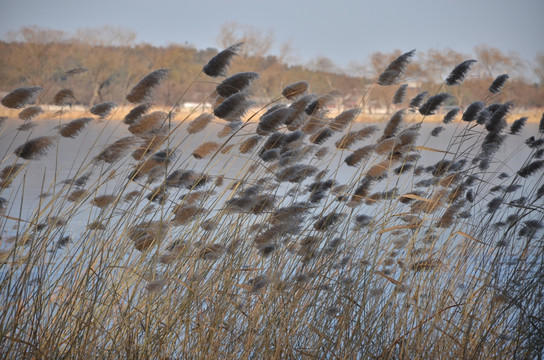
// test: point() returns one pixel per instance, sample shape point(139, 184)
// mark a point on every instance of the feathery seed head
point(142, 91)
point(217, 66)
point(20, 97)
point(236, 83)
point(459, 73)
point(295, 90)
point(396, 69)
point(103, 109)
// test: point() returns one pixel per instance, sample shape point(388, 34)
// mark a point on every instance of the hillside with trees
point(114, 63)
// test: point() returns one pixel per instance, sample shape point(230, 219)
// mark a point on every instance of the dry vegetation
point(276, 232)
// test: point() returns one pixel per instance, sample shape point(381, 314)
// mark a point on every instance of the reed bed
point(275, 232)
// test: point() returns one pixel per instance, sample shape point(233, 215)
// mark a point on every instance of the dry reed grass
point(291, 233)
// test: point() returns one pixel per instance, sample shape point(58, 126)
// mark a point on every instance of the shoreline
point(52, 112)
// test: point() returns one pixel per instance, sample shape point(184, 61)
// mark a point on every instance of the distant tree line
point(37, 56)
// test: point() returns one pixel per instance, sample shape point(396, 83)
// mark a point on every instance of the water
point(72, 158)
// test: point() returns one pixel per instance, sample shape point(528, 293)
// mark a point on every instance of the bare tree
point(539, 68)
point(494, 62)
point(106, 36)
point(43, 56)
point(256, 42)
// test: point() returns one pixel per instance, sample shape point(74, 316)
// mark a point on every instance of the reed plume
point(77, 195)
point(229, 129)
point(459, 73)
point(151, 142)
point(212, 252)
point(35, 148)
point(472, 111)
point(319, 105)
point(400, 94)
point(142, 91)
point(496, 121)
point(359, 155)
point(75, 71)
point(30, 113)
point(64, 97)
point(28, 125)
point(497, 84)
point(186, 213)
point(117, 150)
point(298, 116)
point(20, 97)
point(531, 169)
point(233, 107)
point(74, 127)
point(148, 123)
point(205, 149)
point(182, 178)
point(249, 144)
point(386, 146)
point(451, 115)
point(518, 125)
point(417, 100)
point(103, 109)
point(437, 130)
point(325, 222)
point(362, 190)
point(8, 173)
point(344, 119)
point(236, 83)
point(541, 124)
point(272, 120)
point(483, 117)
point(217, 66)
point(432, 103)
point(395, 70)
point(393, 124)
point(295, 90)
point(136, 113)
point(321, 136)
point(296, 173)
point(199, 123)
point(379, 170)
point(353, 136)
point(103, 201)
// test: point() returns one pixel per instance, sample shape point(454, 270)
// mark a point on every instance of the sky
point(345, 31)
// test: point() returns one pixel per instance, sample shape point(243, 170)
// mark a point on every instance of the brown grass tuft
point(205, 149)
point(142, 91)
point(74, 127)
point(379, 169)
point(186, 213)
point(344, 119)
point(77, 195)
point(117, 150)
point(136, 113)
point(295, 90)
point(250, 144)
point(8, 173)
point(21, 97)
point(30, 112)
point(199, 123)
point(64, 97)
point(34, 148)
point(103, 109)
point(217, 66)
point(103, 201)
point(148, 123)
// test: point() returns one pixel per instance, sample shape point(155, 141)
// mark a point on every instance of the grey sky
point(341, 30)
